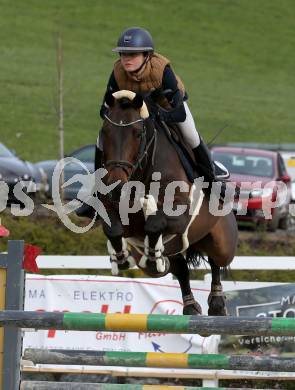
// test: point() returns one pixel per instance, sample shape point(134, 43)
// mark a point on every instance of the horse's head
point(124, 136)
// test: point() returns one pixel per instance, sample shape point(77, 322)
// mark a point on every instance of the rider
point(141, 70)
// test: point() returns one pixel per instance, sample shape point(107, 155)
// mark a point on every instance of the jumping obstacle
point(162, 360)
point(101, 386)
point(150, 323)
point(12, 298)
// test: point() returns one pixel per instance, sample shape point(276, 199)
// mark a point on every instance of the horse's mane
point(125, 103)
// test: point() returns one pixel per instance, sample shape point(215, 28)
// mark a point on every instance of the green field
point(236, 58)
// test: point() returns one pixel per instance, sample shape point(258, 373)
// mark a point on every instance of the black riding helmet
point(134, 40)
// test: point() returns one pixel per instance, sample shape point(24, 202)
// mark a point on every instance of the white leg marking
point(149, 205)
point(144, 258)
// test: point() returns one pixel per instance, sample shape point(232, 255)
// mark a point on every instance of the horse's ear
point(137, 102)
point(109, 99)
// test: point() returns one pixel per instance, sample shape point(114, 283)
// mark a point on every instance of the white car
point(289, 158)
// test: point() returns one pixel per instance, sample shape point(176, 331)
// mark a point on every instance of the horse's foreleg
point(153, 243)
point(179, 268)
point(216, 299)
point(117, 247)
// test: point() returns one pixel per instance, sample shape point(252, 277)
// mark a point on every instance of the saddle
point(175, 137)
point(183, 150)
point(186, 155)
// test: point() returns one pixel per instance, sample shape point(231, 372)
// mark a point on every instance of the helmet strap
point(147, 57)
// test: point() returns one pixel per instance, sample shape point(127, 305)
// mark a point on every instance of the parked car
point(247, 165)
point(289, 159)
point(14, 170)
point(85, 154)
point(287, 151)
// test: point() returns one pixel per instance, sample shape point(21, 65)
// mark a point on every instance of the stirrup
point(221, 172)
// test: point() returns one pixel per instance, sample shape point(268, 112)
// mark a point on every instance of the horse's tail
point(194, 257)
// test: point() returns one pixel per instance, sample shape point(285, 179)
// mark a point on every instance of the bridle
point(144, 147)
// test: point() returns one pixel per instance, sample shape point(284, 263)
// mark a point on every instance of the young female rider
point(140, 69)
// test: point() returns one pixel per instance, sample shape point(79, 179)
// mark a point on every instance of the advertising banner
point(274, 301)
point(105, 294)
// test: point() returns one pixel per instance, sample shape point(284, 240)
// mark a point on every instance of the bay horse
point(159, 242)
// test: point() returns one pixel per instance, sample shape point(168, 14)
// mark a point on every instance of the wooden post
point(2, 307)
point(60, 77)
point(11, 297)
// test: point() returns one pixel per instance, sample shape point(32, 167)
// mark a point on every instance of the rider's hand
point(162, 115)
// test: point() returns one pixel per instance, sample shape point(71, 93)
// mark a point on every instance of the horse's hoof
point(117, 266)
point(216, 301)
point(152, 270)
point(217, 306)
point(192, 309)
point(124, 266)
point(217, 312)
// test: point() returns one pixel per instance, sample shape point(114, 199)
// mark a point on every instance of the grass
point(40, 231)
point(236, 58)
point(52, 237)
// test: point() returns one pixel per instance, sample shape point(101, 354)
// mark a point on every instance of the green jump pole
point(203, 325)
point(160, 360)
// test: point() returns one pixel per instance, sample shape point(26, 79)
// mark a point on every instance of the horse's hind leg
point(216, 299)
point(179, 268)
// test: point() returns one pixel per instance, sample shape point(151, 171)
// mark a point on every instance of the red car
point(260, 179)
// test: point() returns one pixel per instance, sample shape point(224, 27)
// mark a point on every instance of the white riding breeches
point(188, 129)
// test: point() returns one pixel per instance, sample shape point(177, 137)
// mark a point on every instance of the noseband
point(142, 151)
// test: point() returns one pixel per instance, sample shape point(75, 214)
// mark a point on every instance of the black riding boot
point(205, 167)
point(204, 162)
point(85, 210)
